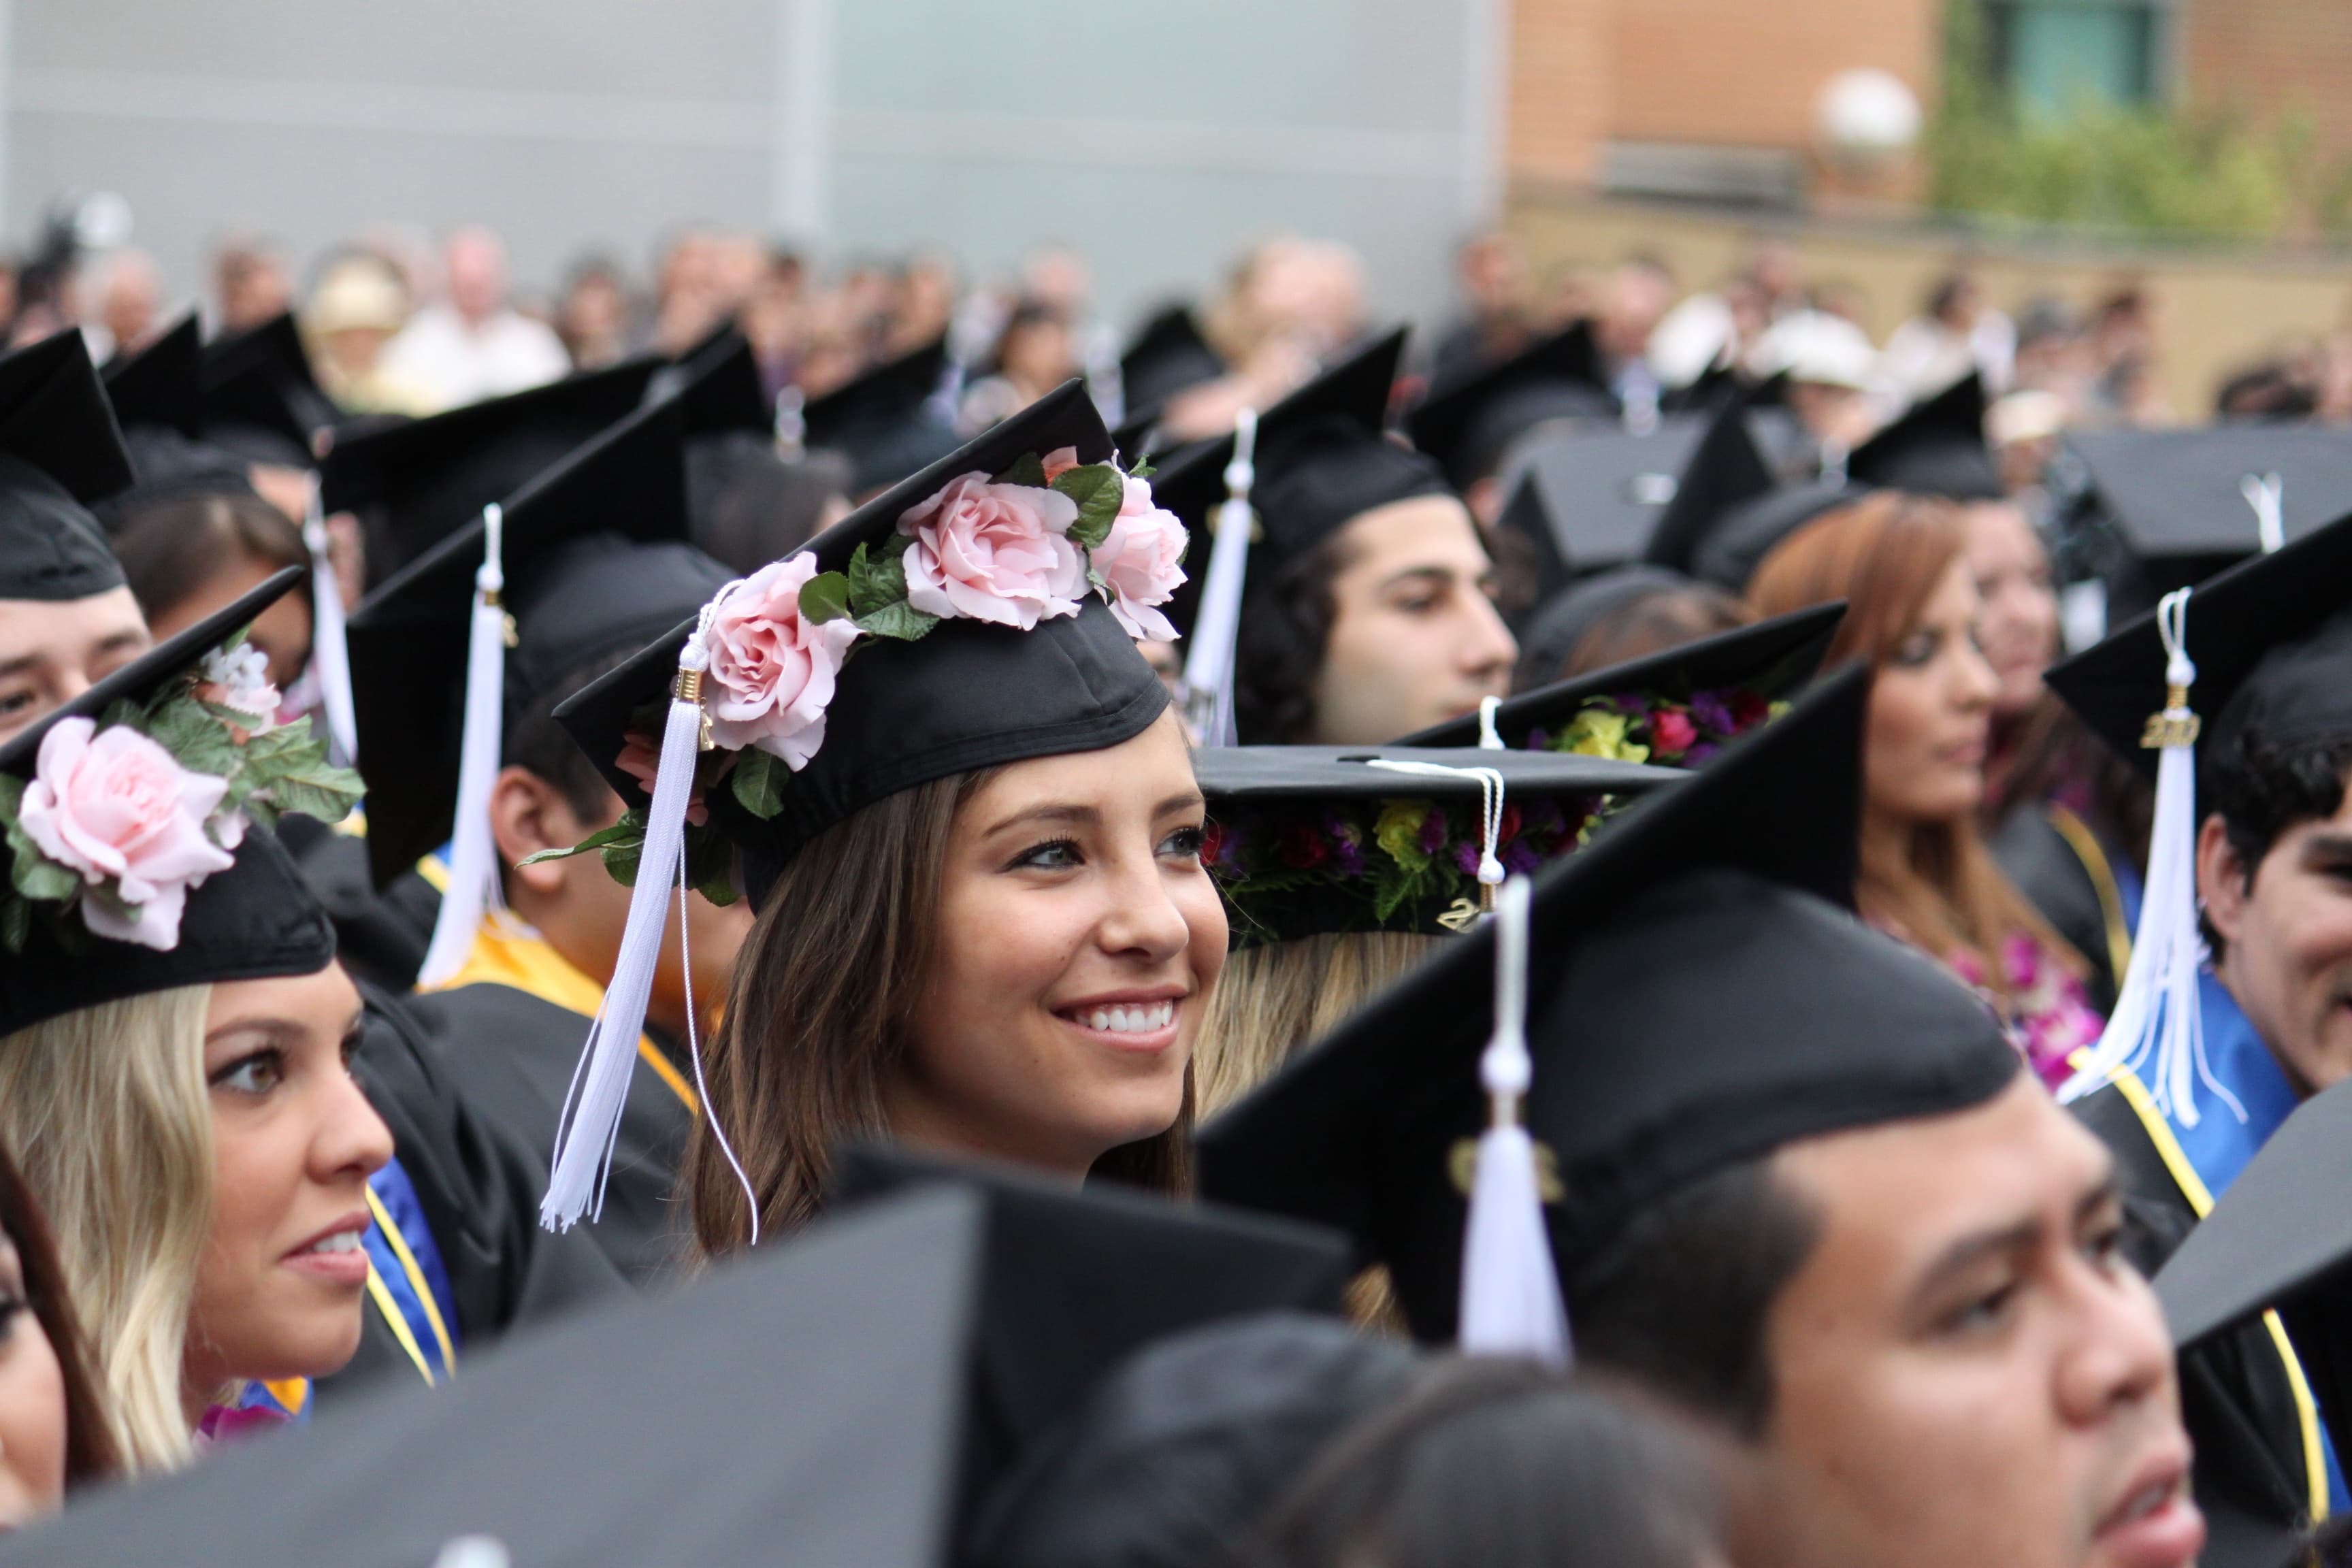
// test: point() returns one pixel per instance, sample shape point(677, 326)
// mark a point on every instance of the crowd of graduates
point(1651, 934)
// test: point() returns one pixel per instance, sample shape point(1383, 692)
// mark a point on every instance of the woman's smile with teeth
point(341, 1241)
point(1138, 1018)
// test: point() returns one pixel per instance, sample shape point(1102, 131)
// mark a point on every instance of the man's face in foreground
point(1965, 1369)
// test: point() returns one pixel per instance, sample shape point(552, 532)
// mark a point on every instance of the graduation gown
point(457, 1254)
point(511, 1023)
point(2086, 894)
point(380, 936)
point(2265, 1467)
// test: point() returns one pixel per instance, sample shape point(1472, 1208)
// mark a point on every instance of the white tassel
point(600, 1085)
point(1209, 659)
point(328, 655)
point(2266, 493)
point(2156, 1031)
point(1511, 1303)
point(1490, 815)
point(1490, 739)
point(473, 853)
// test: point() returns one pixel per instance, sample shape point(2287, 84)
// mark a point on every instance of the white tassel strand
point(2156, 1030)
point(1490, 815)
point(1490, 739)
point(473, 854)
point(329, 654)
point(1511, 1303)
point(1208, 656)
point(2266, 493)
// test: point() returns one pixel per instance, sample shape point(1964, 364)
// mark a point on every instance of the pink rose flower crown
point(981, 611)
point(138, 824)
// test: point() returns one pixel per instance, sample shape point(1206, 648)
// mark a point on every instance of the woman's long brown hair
point(89, 1436)
point(1884, 555)
point(817, 1019)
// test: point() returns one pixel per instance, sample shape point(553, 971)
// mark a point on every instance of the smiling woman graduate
point(953, 789)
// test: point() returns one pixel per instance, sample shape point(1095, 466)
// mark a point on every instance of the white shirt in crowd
point(457, 363)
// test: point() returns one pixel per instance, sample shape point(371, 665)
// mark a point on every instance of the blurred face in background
point(476, 266)
point(2017, 628)
point(1637, 298)
point(1931, 712)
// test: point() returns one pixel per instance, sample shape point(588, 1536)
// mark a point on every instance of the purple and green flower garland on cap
point(1641, 727)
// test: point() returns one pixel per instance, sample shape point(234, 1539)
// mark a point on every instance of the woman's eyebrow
point(1191, 800)
point(1062, 811)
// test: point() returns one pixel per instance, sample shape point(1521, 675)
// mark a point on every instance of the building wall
point(2261, 56)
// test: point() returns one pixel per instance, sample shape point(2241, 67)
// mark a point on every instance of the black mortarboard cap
point(718, 382)
point(408, 638)
point(1529, 559)
point(1699, 994)
point(1934, 447)
point(1732, 550)
point(1321, 460)
point(1304, 818)
point(1723, 470)
point(260, 398)
point(2272, 640)
point(969, 695)
point(59, 452)
point(252, 921)
point(1169, 355)
point(162, 383)
point(2175, 496)
point(883, 419)
point(1771, 659)
point(1467, 424)
point(2272, 1234)
point(1606, 490)
point(419, 481)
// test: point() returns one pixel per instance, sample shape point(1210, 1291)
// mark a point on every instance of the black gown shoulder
point(2049, 870)
point(2250, 1474)
point(380, 936)
point(512, 1055)
point(478, 1187)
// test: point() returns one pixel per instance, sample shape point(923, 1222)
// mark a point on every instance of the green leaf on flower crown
point(197, 742)
point(1394, 886)
point(1028, 469)
point(12, 794)
point(323, 791)
point(824, 597)
point(900, 622)
point(631, 827)
point(34, 873)
point(16, 923)
point(122, 711)
point(1143, 468)
point(876, 583)
point(711, 865)
point(1099, 491)
point(758, 781)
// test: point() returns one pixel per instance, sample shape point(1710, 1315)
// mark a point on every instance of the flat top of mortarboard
point(1733, 549)
point(162, 383)
point(54, 415)
point(1447, 424)
point(253, 919)
point(968, 695)
point(1771, 659)
point(2266, 1239)
point(1723, 470)
point(261, 379)
point(881, 394)
point(1606, 490)
point(408, 639)
point(864, 1327)
point(717, 380)
point(1248, 774)
point(2271, 642)
point(1936, 447)
point(2179, 492)
point(1167, 355)
point(430, 475)
point(1699, 994)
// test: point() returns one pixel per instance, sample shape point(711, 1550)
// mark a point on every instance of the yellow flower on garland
point(1597, 732)
point(1399, 832)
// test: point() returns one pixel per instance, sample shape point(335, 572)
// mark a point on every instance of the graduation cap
point(1935, 448)
point(158, 396)
point(1606, 490)
point(574, 586)
point(1469, 423)
point(1169, 355)
point(1723, 470)
point(60, 450)
point(2175, 506)
point(1530, 563)
point(162, 384)
point(249, 919)
point(882, 417)
point(260, 398)
point(1314, 839)
point(2267, 1241)
point(1698, 993)
point(966, 693)
point(1731, 552)
point(649, 1431)
point(718, 380)
point(417, 482)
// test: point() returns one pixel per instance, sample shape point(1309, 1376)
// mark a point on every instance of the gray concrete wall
point(1159, 137)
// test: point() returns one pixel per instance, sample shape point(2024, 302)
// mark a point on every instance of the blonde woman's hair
point(1273, 1000)
point(107, 1110)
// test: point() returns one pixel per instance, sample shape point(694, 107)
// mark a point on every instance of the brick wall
point(2261, 55)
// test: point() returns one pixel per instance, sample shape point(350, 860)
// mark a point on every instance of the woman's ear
point(528, 814)
point(2223, 880)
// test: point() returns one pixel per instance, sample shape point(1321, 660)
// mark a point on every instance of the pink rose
point(1141, 563)
point(641, 760)
point(1673, 731)
point(994, 553)
point(771, 673)
point(1060, 461)
point(119, 808)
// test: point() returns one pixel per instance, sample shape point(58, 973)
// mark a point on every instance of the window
point(2054, 56)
